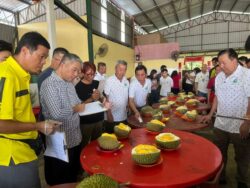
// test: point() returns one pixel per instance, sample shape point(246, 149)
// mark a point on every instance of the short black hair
point(5, 46)
point(243, 58)
point(31, 40)
point(174, 73)
point(232, 54)
point(197, 70)
point(164, 70)
point(215, 59)
point(163, 67)
point(141, 67)
point(101, 64)
point(60, 50)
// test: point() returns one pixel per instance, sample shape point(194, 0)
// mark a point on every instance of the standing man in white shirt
point(139, 90)
point(201, 82)
point(101, 71)
point(166, 83)
point(232, 99)
point(116, 90)
point(101, 76)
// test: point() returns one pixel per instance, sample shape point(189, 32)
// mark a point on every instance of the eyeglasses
point(90, 74)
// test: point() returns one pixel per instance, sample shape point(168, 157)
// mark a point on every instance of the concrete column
point(50, 15)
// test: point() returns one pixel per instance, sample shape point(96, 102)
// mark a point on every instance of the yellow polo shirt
point(15, 104)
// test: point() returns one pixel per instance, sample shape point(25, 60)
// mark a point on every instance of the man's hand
point(95, 95)
point(48, 127)
point(206, 118)
point(137, 115)
point(244, 129)
point(79, 107)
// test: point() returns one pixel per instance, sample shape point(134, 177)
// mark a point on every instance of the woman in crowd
point(91, 125)
point(154, 96)
point(176, 79)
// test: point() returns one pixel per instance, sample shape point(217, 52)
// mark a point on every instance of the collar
point(17, 67)
point(57, 77)
point(235, 73)
point(123, 79)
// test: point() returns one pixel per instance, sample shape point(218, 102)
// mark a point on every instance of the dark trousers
point(20, 175)
point(175, 90)
point(242, 152)
point(59, 172)
point(154, 97)
point(91, 131)
point(188, 88)
point(109, 126)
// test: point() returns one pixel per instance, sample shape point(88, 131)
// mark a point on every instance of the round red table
point(197, 160)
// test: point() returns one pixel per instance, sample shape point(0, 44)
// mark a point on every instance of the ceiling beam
point(175, 13)
point(219, 4)
point(246, 7)
point(162, 16)
point(144, 14)
point(215, 4)
point(235, 2)
point(188, 9)
point(202, 7)
point(7, 10)
point(153, 8)
point(25, 2)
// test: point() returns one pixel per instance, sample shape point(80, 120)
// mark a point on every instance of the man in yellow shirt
point(18, 161)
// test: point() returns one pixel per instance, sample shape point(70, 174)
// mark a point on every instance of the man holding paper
point(60, 102)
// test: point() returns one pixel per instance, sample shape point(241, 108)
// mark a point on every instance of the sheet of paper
point(93, 108)
point(56, 146)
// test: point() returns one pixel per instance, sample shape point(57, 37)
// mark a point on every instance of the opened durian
point(192, 102)
point(147, 111)
point(122, 130)
point(157, 114)
point(163, 100)
point(191, 115)
point(145, 154)
point(165, 108)
point(167, 141)
point(155, 125)
point(181, 109)
point(108, 141)
point(171, 103)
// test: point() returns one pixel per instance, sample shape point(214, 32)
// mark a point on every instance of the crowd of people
point(69, 84)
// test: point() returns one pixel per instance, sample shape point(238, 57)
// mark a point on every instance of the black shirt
point(84, 91)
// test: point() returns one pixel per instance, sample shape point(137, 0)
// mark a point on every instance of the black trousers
point(59, 172)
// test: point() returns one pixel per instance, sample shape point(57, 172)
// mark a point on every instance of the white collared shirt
point(232, 93)
point(166, 84)
point(99, 76)
point(139, 92)
point(202, 80)
point(117, 92)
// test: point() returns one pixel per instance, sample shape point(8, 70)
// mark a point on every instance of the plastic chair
point(213, 183)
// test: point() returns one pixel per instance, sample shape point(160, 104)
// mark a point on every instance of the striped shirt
point(58, 97)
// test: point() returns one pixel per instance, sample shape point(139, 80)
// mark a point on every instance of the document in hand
point(56, 146)
point(93, 108)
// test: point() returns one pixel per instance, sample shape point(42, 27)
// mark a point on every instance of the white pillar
point(50, 15)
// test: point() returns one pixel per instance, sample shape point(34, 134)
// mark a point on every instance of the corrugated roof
point(153, 15)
